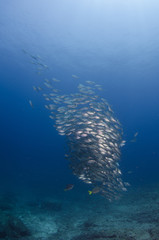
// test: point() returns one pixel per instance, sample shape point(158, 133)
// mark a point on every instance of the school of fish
point(93, 135)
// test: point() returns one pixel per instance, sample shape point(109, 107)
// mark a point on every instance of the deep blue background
point(114, 43)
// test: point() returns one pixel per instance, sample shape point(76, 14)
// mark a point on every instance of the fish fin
point(89, 192)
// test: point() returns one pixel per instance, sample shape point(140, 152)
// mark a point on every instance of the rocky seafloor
point(134, 217)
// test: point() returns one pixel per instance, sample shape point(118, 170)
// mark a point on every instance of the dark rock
point(154, 233)
point(15, 228)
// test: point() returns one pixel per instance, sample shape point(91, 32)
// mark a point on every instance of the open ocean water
point(79, 120)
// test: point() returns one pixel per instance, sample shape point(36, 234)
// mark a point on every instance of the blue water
point(114, 43)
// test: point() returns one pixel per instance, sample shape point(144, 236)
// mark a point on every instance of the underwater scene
point(79, 93)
